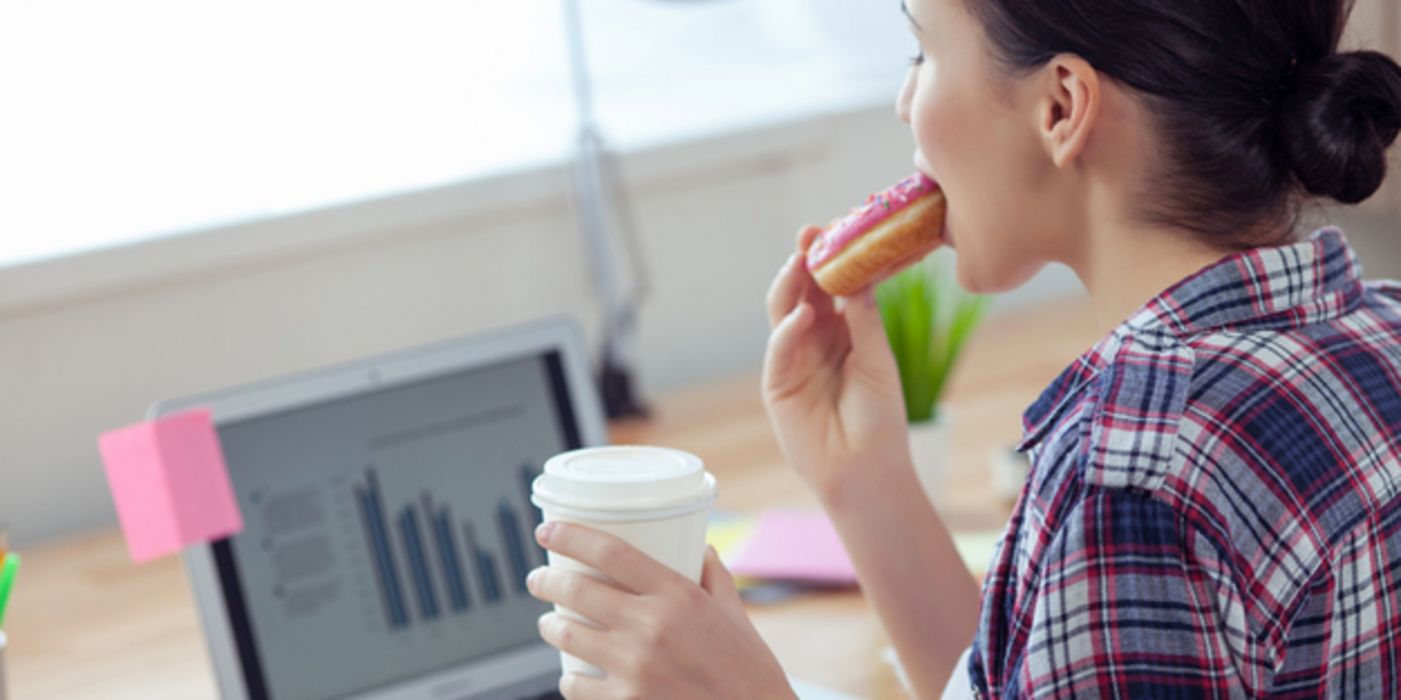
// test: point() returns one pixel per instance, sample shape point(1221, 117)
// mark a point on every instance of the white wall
point(716, 220)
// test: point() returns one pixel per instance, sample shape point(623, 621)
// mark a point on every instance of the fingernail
point(545, 532)
point(791, 259)
point(533, 577)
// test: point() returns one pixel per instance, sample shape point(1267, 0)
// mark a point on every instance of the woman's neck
point(1124, 268)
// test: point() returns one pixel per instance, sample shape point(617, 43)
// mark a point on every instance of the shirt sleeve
point(1133, 602)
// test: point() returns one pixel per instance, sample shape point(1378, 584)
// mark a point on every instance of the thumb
point(863, 322)
point(715, 578)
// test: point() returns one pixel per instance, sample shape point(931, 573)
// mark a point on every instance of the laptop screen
point(388, 534)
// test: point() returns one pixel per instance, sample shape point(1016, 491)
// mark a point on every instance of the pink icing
point(877, 208)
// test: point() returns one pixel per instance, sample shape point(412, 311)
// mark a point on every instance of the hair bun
point(1337, 121)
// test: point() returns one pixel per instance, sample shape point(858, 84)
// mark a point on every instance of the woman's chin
point(991, 277)
point(969, 278)
point(966, 281)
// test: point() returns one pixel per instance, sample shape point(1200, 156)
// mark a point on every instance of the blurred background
point(196, 195)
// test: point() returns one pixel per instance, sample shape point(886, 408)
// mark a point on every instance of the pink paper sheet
point(796, 545)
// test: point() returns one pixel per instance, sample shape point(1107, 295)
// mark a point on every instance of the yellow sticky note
point(727, 537)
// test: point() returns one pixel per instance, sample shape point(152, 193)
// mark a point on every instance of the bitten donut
point(892, 229)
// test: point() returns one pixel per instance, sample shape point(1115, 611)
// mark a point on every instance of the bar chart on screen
point(431, 561)
point(391, 534)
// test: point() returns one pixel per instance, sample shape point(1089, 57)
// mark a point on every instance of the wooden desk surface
point(84, 622)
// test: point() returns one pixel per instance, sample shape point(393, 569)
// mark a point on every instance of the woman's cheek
point(947, 132)
point(931, 125)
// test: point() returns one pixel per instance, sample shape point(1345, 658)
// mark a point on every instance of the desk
point(84, 622)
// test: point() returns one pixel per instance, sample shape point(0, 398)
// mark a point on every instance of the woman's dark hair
point(1253, 104)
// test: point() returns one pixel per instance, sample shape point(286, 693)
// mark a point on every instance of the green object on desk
point(8, 571)
point(927, 319)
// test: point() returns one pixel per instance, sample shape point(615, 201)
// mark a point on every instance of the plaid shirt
point(1214, 504)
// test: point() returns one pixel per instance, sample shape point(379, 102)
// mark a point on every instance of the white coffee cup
point(655, 498)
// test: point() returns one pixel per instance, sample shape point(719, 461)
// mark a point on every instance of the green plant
point(928, 318)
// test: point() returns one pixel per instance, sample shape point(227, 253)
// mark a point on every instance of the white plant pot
point(929, 449)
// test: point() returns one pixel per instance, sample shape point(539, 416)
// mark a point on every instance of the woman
point(1213, 507)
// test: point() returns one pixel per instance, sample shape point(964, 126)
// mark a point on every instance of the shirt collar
point(1281, 287)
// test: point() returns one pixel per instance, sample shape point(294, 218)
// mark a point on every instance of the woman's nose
point(902, 101)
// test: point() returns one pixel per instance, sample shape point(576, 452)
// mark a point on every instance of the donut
point(890, 231)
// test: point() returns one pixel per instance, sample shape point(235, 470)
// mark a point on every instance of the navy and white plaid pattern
point(1214, 504)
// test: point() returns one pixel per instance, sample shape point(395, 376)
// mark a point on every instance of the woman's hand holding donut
point(830, 383)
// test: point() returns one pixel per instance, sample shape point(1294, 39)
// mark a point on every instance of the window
point(129, 120)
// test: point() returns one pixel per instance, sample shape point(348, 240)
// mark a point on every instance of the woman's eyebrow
point(905, 9)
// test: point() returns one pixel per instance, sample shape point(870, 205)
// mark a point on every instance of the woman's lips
point(922, 166)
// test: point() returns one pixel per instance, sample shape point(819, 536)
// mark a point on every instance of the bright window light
point(124, 121)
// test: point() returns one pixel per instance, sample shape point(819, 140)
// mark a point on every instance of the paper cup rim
point(575, 509)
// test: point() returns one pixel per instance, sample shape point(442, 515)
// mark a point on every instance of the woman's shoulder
point(1295, 427)
point(1288, 429)
point(1383, 295)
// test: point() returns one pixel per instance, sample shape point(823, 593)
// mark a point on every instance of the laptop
point(387, 522)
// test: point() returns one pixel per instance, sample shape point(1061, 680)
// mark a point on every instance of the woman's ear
point(1069, 108)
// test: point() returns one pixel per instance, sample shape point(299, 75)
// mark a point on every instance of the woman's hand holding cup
point(659, 634)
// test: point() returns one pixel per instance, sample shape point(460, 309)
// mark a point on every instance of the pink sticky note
point(170, 484)
point(799, 545)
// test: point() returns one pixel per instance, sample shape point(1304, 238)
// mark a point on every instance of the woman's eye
point(917, 59)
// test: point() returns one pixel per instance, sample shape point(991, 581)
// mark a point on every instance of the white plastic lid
point(625, 478)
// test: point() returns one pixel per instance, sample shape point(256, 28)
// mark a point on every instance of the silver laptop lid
point(387, 525)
